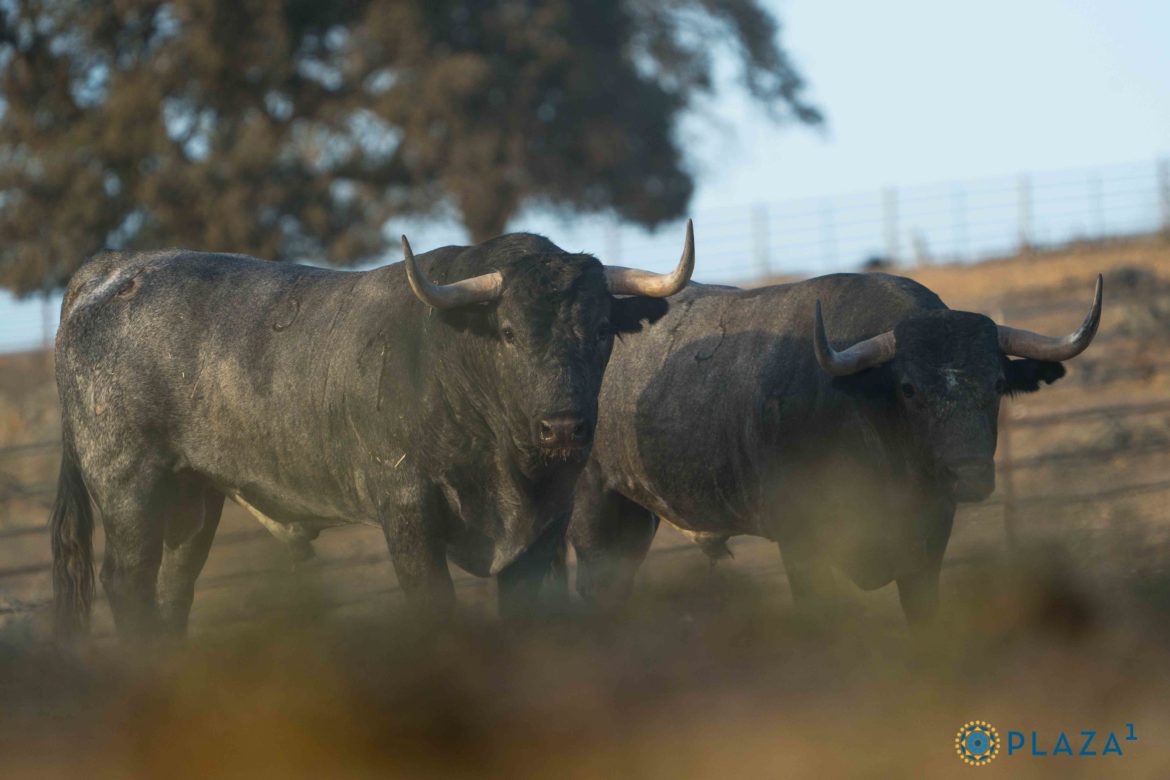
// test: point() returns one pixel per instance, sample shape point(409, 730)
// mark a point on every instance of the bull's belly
point(679, 479)
point(698, 513)
point(288, 516)
point(292, 526)
point(287, 492)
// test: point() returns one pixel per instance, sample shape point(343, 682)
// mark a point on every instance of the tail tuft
point(71, 531)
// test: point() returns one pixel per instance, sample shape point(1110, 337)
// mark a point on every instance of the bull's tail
point(71, 530)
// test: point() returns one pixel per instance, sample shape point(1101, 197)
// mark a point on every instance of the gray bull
point(849, 445)
point(455, 414)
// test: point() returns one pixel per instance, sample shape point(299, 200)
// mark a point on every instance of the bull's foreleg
point(419, 556)
point(918, 590)
point(190, 532)
point(918, 593)
point(810, 577)
point(530, 585)
point(611, 536)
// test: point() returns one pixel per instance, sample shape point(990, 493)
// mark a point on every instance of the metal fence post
point(1096, 203)
point(1024, 205)
point(1164, 189)
point(959, 230)
point(828, 238)
point(1007, 483)
point(1005, 469)
point(890, 218)
point(613, 242)
point(47, 333)
point(760, 239)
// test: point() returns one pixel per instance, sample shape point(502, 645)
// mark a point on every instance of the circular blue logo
point(977, 743)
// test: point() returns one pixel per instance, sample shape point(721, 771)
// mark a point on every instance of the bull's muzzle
point(972, 480)
point(563, 433)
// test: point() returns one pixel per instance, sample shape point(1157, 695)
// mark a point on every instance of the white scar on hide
point(951, 376)
point(100, 290)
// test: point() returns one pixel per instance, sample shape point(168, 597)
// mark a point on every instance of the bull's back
point(221, 364)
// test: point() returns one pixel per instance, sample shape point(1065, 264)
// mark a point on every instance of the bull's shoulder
point(907, 288)
point(452, 262)
point(499, 249)
point(520, 243)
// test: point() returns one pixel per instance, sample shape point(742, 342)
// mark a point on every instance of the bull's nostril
point(563, 430)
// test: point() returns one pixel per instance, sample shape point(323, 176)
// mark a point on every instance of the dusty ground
point(292, 671)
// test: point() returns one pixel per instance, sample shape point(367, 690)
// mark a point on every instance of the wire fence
point(957, 221)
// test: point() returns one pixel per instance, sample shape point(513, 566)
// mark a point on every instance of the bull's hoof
point(301, 551)
point(716, 549)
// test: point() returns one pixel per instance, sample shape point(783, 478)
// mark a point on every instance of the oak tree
point(297, 128)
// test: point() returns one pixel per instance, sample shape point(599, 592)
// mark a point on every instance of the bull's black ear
point(1025, 376)
point(628, 314)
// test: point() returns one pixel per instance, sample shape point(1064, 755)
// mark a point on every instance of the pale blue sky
point(916, 92)
point(930, 90)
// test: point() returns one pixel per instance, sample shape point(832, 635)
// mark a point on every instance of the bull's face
point(950, 376)
point(551, 334)
point(543, 327)
point(950, 369)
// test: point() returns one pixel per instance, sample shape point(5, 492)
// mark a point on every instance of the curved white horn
point(1026, 344)
point(862, 355)
point(631, 281)
point(478, 289)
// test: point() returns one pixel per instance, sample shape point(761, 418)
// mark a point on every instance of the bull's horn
point(1026, 344)
point(478, 289)
point(862, 355)
point(631, 281)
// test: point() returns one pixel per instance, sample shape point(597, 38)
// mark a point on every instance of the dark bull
point(842, 417)
point(449, 399)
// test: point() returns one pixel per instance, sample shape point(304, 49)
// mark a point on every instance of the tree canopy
point(297, 128)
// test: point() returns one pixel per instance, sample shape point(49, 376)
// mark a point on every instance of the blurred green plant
point(296, 129)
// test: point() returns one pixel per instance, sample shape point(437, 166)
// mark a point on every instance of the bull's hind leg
point(134, 538)
point(135, 513)
point(190, 530)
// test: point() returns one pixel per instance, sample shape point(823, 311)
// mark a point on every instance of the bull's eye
point(907, 390)
point(603, 331)
point(1000, 386)
point(508, 335)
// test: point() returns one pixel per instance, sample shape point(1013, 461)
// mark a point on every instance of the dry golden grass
point(703, 679)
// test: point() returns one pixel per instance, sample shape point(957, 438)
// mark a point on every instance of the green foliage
point(298, 128)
